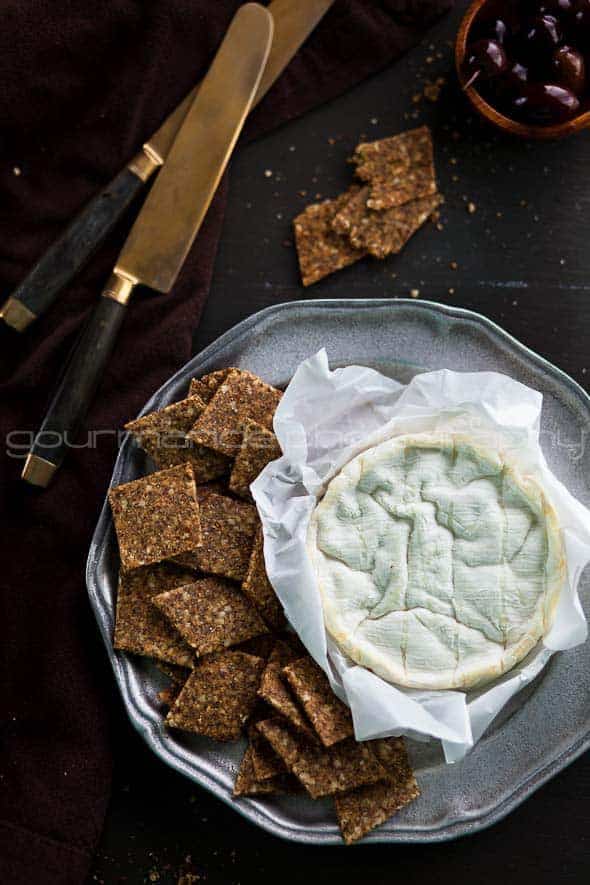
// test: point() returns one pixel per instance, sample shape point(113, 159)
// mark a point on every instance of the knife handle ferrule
point(145, 163)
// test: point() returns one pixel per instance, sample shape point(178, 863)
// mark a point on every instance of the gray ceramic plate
point(533, 740)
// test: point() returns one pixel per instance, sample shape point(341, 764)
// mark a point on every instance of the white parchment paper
point(324, 419)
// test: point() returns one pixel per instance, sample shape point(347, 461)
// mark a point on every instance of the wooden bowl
point(523, 130)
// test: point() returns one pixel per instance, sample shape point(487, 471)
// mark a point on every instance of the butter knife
point(165, 228)
point(294, 21)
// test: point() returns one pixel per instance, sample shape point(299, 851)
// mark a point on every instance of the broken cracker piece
point(383, 233)
point(330, 718)
point(228, 527)
point(361, 810)
point(163, 435)
point(139, 626)
point(242, 395)
point(398, 169)
point(258, 448)
point(246, 783)
point(258, 588)
point(265, 761)
point(323, 771)
point(156, 517)
point(320, 250)
point(219, 696)
point(210, 614)
point(275, 692)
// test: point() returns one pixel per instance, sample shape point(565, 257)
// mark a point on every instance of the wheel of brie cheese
point(439, 565)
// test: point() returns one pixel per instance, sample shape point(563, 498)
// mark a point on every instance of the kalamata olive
point(486, 58)
point(570, 69)
point(544, 103)
point(543, 35)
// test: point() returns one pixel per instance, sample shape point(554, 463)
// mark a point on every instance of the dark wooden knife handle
point(75, 392)
point(71, 251)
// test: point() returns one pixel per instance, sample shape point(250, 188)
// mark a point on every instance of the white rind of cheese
point(439, 565)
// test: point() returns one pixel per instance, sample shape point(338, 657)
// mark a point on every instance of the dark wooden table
point(521, 256)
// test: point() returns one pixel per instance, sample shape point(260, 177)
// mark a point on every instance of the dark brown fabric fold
point(82, 86)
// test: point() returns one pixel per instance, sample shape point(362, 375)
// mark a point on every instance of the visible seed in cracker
point(219, 696)
point(320, 250)
point(242, 395)
point(156, 517)
point(163, 435)
point(397, 169)
point(387, 232)
point(364, 808)
point(323, 771)
point(330, 718)
point(139, 627)
point(228, 527)
point(258, 448)
point(258, 588)
point(210, 614)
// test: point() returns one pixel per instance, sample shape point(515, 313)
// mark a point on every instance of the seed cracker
point(398, 169)
point(197, 388)
point(163, 435)
point(383, 233)
point(247, 784)
point(242, 395)
point(210, 614)
point(228, 527)
point(219, 696)
point(156, 517)
point(139, 626)
point(275, 692)
point(330, 718)
point(258, 588)
point(323, 771)
point(320, 250)
point(265, 762)
point(365, 808)
point(259, 447)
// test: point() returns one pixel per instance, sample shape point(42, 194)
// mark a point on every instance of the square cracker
point(163, 435)
point(219, 696)
point(275, 692)
point(323, 771)
point(258, 588)
point(228, 527)
point(139, 626)
point(156, 517)
point(207, 385)
point(259, 447)
point(330, 718)
point(242, 395)
point(320, 250)
point(361, 810)
point(210, 614)
point(398, 169)
point(383, 233)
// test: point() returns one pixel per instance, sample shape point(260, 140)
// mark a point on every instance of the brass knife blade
point(176, 206)
point(294, 22)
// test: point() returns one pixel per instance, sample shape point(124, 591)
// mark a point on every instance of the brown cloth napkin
point(82, 86)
